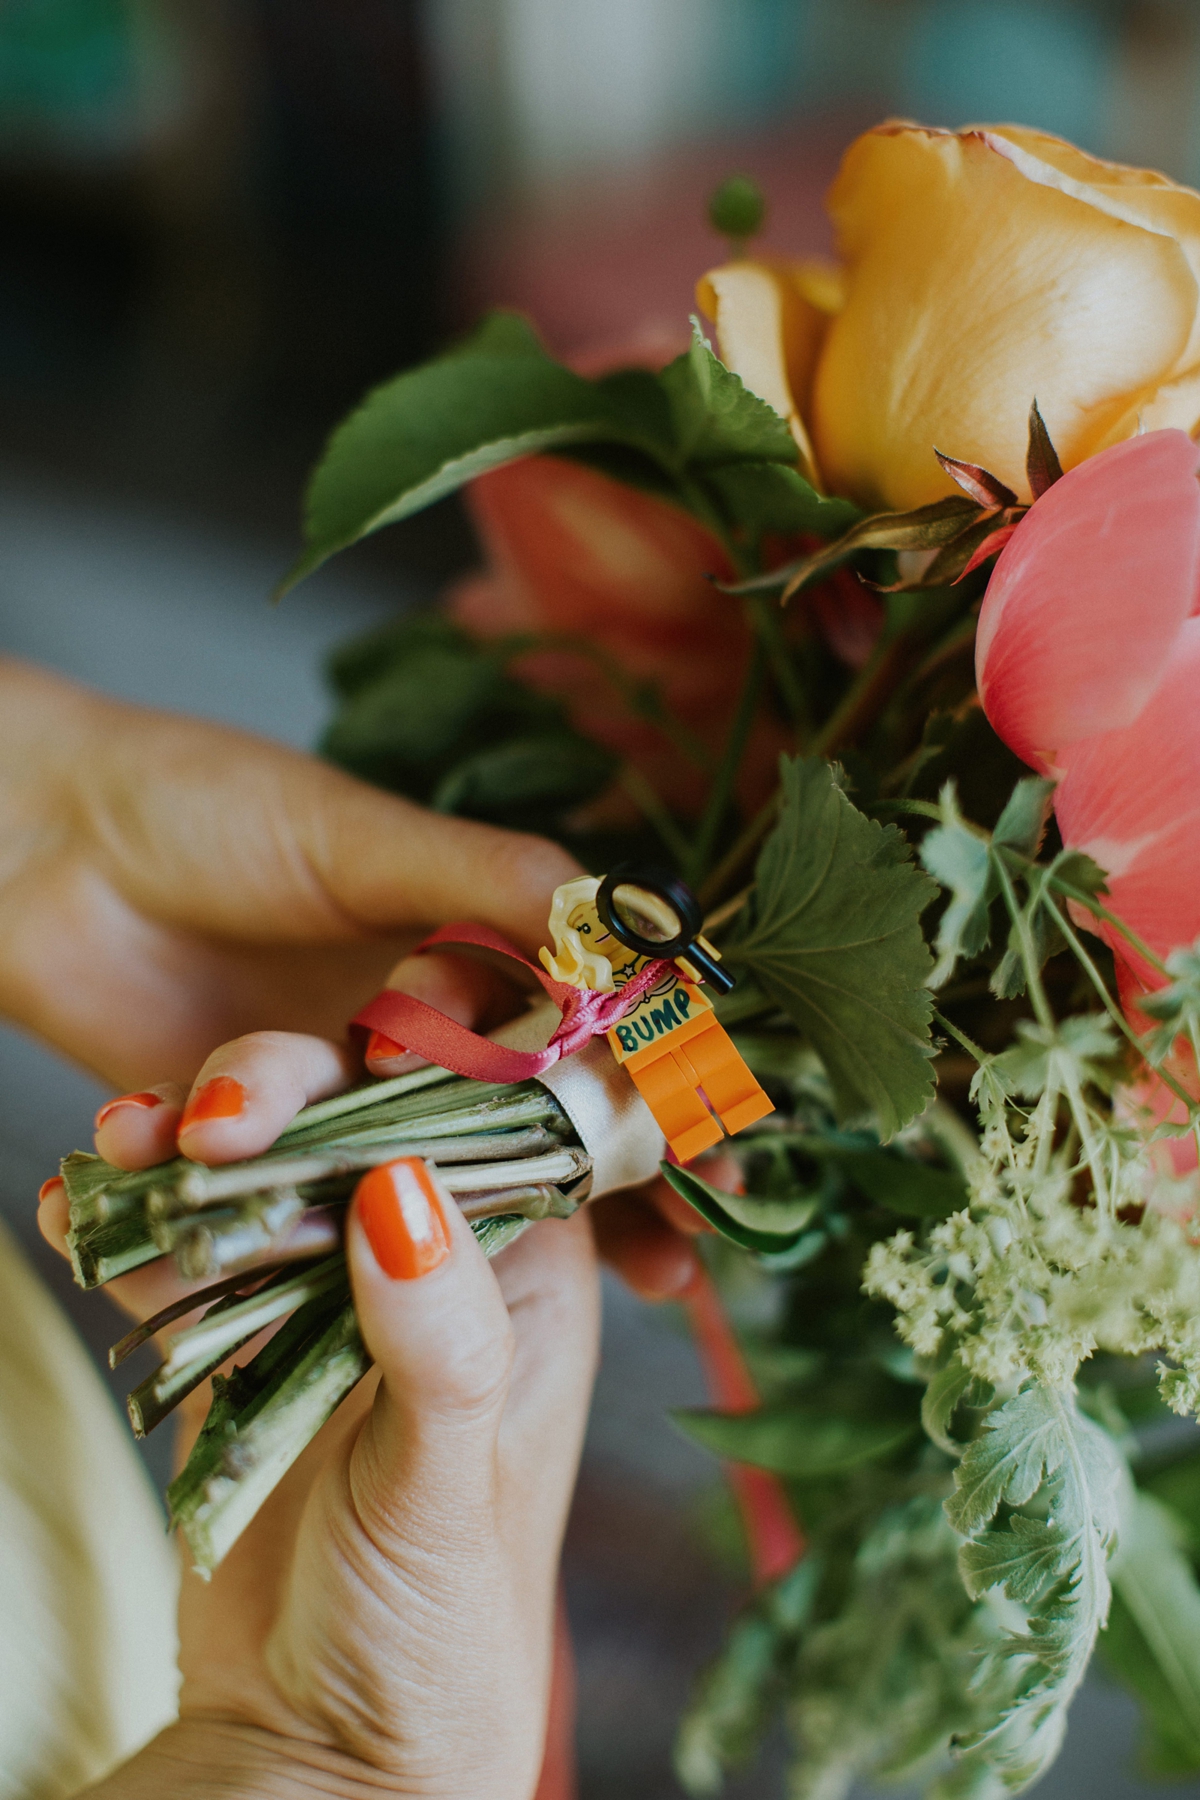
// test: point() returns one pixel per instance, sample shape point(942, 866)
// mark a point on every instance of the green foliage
point(804, 1441)
point(737, 208)
point(428, 712)
point(1037, 1447)
point(1176, 1007)
point(499, 396)
point(716, 419)
point(959, 856)
point(423, 434)
point(964, 860)
point(526, 780)
point(833, 937)
point(1152, 1640)
point(736, 1696)
point(752, 1222)
point(884, 1687)
point(760, 497)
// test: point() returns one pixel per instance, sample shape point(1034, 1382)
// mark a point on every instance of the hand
point(166, 885)
point(384, 1625)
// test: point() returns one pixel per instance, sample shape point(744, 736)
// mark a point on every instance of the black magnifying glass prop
point(651, 911)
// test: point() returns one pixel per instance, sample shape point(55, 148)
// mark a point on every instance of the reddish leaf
point(983, 487)
point(1041, 461)
point(991, 546)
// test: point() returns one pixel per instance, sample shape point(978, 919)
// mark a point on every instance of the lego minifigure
point(680, 1058)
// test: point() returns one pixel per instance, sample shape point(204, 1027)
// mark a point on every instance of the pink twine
point(423, 1030)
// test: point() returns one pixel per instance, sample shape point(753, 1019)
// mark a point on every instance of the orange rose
point(980, 269)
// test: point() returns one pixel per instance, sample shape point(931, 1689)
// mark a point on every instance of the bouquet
point(872, 616)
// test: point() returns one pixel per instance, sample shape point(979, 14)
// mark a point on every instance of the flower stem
point(731, 762)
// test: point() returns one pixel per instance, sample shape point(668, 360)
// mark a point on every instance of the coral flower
point(575, 554)
point(1088, 663)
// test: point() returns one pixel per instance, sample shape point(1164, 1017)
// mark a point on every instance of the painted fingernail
point(110, 1107)
point(403, 1218)
point(220, 1098)
point(380, 1047)
point(48, 1187)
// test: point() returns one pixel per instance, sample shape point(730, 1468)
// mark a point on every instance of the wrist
point(222, 1759)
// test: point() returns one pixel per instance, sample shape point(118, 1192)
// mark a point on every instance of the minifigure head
point(586, 952)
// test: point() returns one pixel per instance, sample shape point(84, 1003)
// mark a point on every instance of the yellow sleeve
point(88, 1577)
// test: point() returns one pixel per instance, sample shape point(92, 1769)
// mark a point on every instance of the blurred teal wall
point(547, 88)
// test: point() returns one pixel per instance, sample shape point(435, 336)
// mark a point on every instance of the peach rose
point(980, 269)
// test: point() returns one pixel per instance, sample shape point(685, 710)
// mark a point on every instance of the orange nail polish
point(48, 1187)
point(147, 1100)
point(402, 1216)
point(220, 1098)
point(379, 1047)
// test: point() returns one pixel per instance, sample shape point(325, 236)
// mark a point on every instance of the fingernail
point(403, 1218)
point(380, 1047)
point(220, 1098)
point(48, 1187)
point(147, 1100)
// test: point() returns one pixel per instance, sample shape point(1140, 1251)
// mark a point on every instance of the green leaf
point(1080, 1051)
point(1178, 1487)
point(716, 418)
point(423, 434)
point(430, 713)
point(886, 1686)
point(1037, 1448)
point(1177, 1006)
point(1019, 1443)
point(526, 779)
point(754, 1224)
point(961, 746)
point(762, 497)
point(953, 1386)
point(959, 856)
point(738, 1693)
point(833, 937)
point(1022, 824)
point(804, 1442)
point(904, 1185)
point(1153, 1636)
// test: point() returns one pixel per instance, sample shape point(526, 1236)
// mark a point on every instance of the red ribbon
point(422, 1029)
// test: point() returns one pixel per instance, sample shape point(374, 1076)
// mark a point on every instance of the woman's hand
point(384, 1625)
point(166, 885)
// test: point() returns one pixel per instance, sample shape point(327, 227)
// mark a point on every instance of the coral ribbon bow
point(426, 1032)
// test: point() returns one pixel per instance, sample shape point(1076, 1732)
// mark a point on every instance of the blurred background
point(219, 223)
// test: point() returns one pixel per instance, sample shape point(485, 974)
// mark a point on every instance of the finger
point(141, 1293)
point(432, 1315)
point(392, 864)
point(674, 1210)
point(549, 1280)
point(468, 991)
point(135, 1131)
point(250, 1089)
point(648, 1254)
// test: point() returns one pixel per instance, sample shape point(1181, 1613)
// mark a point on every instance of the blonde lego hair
point(573, 963)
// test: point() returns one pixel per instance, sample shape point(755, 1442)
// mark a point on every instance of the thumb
point(433, 1317)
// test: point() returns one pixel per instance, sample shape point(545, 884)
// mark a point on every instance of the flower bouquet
point(812, 615)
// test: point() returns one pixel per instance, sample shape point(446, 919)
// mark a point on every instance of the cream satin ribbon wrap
point(88, 1576)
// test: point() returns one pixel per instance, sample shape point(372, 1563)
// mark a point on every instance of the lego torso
point(670, 1006)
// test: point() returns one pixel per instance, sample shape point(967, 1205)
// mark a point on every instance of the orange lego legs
point(731, 1089)
point(669, 1090)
